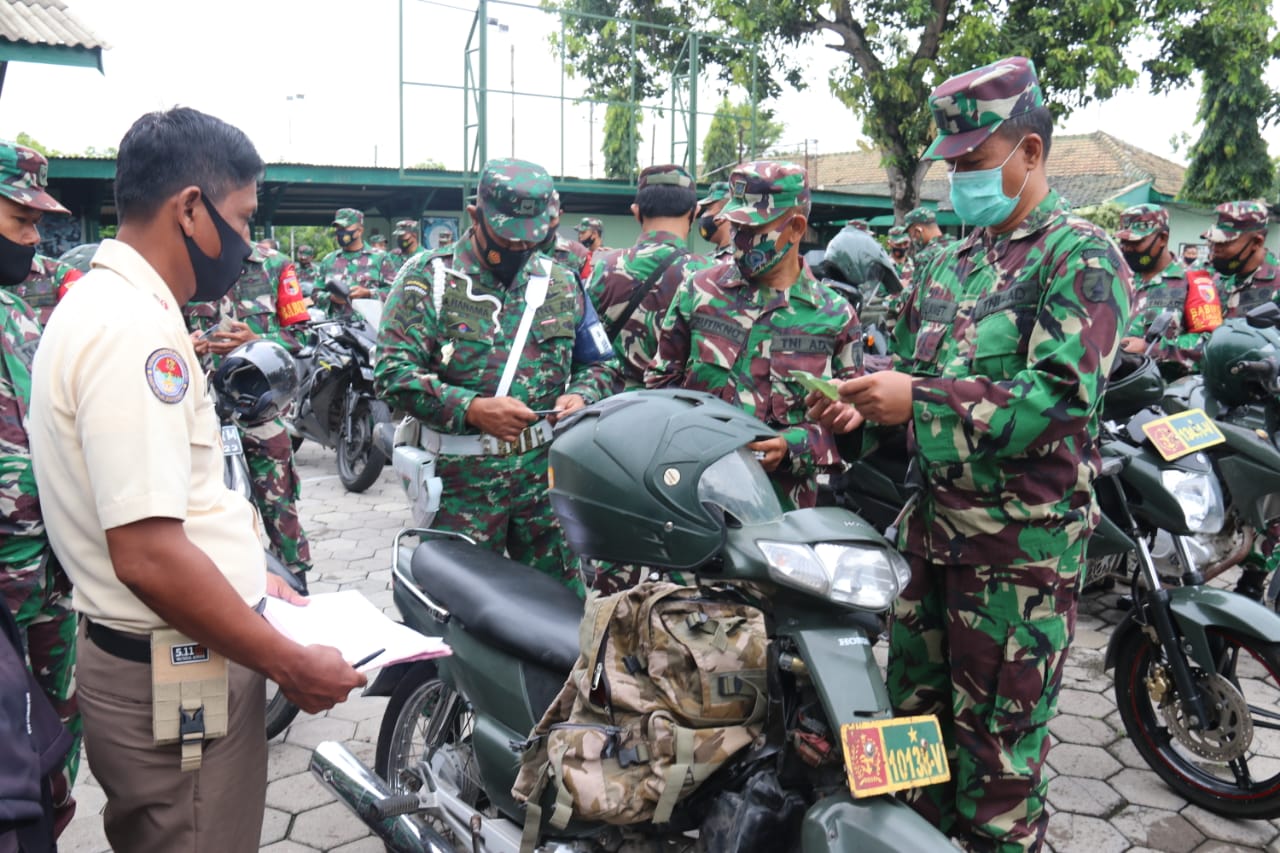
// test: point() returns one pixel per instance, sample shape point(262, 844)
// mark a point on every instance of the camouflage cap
point(898, 236)
point(920, 216)
point(515, 199)
point(1142, 220)
point(1236, 218)
point(765, 190)
point(405, 226)
point(970, 106)
point(306, 252)
point(668, 175)
point(24, 174)
point(719, 191)
point(590, 222)
point(348, 216)
point(377, 237)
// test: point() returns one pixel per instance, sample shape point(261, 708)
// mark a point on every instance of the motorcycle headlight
point(861, 576)
point(1199, 497)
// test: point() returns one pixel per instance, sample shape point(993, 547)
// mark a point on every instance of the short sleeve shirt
point(123, 429)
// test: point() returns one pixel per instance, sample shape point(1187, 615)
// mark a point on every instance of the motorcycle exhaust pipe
point(369, 798)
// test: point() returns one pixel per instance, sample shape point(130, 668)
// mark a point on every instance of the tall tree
point(731, 137)
point(896, 51)
point(622, 141)
point(1229, 43)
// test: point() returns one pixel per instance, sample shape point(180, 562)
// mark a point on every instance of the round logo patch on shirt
point(167, 375)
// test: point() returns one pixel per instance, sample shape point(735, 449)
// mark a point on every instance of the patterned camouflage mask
point(758, 252)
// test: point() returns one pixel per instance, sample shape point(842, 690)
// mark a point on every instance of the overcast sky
point(242, 61)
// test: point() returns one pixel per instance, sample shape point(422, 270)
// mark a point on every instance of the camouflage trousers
point(501, 501)
point(276, 490)
point(983, 648)
point(48, 627)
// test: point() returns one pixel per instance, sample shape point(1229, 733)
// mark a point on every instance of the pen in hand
point(364, 660)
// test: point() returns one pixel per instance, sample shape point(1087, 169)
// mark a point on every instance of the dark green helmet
point(855, 257)
point(648, 477)
point(1232, 344)
point(1134, 384)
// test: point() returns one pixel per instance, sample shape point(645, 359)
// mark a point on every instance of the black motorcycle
point(336, 405)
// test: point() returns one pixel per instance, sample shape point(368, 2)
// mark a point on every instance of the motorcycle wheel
point(359, 461)
point(1231, 768)
point(280, 711)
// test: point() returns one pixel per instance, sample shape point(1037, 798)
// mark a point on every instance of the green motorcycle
point(659, 478)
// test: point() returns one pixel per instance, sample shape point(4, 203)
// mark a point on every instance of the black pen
point(364, 660)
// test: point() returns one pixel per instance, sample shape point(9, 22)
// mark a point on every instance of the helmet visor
point(738, 485)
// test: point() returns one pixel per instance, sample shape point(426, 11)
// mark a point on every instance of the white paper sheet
point(354, 626)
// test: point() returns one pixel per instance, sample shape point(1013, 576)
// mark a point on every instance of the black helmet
point(257, 382)
point(855, 257)
point(648, 476)
point(1134, 384)
point(79, 256)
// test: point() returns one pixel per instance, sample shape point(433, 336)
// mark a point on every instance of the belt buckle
point(492, 446)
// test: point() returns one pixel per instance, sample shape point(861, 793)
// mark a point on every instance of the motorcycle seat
point(508, 604)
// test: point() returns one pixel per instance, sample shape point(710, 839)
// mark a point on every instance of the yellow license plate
point(883, 756)
point(1186, 432)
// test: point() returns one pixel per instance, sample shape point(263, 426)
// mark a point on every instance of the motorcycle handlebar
point(1266, 370)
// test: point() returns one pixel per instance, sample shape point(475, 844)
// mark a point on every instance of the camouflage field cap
point(590, 222)
point(765, 190)
point(348, 216)
point(920, 216)
point(719, 191)
point(898, 236)
point(1142, 220)
point(668, 175)
point(970, 106)
point(377, 238)
point(405, 226)
point(306, 253)
point(24, 174)
point(1236, 218)
point(515, 199)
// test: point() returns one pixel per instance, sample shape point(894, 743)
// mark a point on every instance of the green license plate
point(1186, 432)
point(883, 756)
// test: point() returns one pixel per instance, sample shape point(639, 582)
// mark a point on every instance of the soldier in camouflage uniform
point(444, 346)
point(1248, 269)
point(1001, 360)
point(567, 253)
point(711, 227)
point(591, 236)
point(633, 288)
point(305, 269)
point(46, 279)
point(1160, 286)
point(926, 237)
point(408, 242)
point(253, 310)
point(900, 251)
point(738, 330)
point(368, 272)
point(32, 582)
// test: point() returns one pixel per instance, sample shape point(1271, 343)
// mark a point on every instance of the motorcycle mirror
point(1264, 316)
point(1160, 325)
point(338, 288)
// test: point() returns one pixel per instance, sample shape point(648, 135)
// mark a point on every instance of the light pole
point(289, 99)
point(504, 28)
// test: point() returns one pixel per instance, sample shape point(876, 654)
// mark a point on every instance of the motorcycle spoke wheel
point(359, 461)
point(1231, 766)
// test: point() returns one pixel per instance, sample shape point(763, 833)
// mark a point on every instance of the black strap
point(641, 290)
point(130, 647)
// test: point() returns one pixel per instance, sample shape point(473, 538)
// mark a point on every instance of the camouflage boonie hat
point(1236, 218)
point(515, 199)
point(970, 106)
point(1142, 220)
point(305, 252)
point(668, 175)
point(405, 226)
point(348, 216)
point(920, 216)
point(590, 222)
point(765, 190)
point(898, 236)
point(719, 191)
point(24, 174)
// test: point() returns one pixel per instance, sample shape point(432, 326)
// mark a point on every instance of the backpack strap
point(676, 775)
point(641, 290)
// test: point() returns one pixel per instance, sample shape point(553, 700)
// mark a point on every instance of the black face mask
point(15, 261)
point(589, 242)
point(1144, 260)
point(405, 243)
point(215, 276)
point(1231, 266)
point(505, 263)
point(707, 226)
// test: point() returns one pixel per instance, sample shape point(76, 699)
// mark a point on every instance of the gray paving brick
point(1242, 833)
point(1091, 797)
point(1093, 762)
point(1158, 829)
point(326, 827)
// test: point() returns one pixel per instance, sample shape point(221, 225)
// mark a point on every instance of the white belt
point(530, 438)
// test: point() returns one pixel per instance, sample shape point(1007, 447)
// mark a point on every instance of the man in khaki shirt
point(128, 461)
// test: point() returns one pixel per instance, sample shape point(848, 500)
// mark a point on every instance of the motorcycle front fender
point(1195, 609)
point(844, 671)
point(841, 824)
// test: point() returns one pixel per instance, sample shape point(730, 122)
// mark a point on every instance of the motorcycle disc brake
point(1229, 732)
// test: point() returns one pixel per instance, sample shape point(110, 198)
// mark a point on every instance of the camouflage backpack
point(670, 684)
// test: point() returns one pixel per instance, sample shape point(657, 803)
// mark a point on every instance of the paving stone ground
point(1104, 798)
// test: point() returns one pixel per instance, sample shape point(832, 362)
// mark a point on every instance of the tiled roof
point(45, 22)
point(1088, 169)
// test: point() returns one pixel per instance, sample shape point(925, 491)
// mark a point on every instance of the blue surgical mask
point(978, 197)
